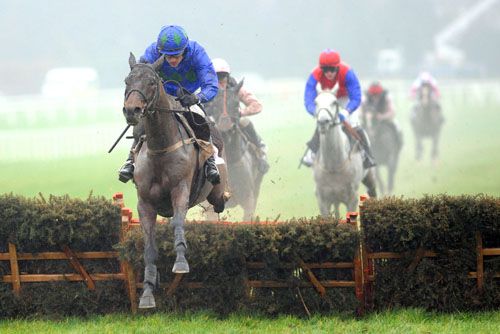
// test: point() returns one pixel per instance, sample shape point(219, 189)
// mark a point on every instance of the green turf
point(402, 321)
point(468, 164)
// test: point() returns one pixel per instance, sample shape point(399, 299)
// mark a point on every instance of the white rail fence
point(33, 127)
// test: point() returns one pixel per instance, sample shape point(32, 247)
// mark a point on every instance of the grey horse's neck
point(161, 126)
point(334, 151)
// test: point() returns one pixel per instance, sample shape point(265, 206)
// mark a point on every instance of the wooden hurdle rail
point(369, 268)
point(126, 273)
point(129, 222)
point(363, 266)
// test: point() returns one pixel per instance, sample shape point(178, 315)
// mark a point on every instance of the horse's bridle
point(333, 118)
point(156, 94)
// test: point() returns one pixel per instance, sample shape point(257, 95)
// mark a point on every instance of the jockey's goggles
point(333, 69)
point(175, 56)
point(222, 75)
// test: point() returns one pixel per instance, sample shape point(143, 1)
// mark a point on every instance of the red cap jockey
point(343, 76)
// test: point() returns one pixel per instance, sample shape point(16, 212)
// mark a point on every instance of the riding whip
point(303, 155)
point(121, 135)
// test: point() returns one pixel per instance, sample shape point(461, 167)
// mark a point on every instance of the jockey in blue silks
point(332, 72)
point(187, 65)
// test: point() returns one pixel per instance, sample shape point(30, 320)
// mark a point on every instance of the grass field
point(469, 164)
point(469, 159)
point(402, 321)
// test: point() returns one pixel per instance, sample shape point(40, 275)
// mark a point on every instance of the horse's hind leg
point(147, 215)
point(336, 209)
point(180, 202)
point(249, 207)
point(391, 171)
point(380, 182)
point(218, 195)
point(369, 182)
point(418, 148)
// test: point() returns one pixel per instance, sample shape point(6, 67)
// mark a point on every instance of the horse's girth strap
point(172, 147)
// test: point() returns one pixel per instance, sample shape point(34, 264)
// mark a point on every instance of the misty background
point(270, 38)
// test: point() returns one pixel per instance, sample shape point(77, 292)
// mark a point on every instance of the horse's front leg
point(435, 148)
point(324, 204)
point(180, 203)
point(418, 148)
point(147, 215)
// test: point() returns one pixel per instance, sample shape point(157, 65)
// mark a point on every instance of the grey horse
point(168, 174)
point(338, 165)
point(245, 177)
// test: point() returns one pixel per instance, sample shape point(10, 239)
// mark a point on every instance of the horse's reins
point(331, 123)
point(151, 108)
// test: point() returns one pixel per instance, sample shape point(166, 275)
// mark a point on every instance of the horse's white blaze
point(323, 115)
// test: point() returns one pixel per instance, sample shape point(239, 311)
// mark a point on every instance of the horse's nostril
point(137, 110)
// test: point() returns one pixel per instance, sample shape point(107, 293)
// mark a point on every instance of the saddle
point(198, 130)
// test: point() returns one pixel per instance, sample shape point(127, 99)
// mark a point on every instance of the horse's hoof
point(180, 267)
point(147, 301)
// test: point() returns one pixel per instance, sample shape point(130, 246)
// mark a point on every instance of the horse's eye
point(152, 82)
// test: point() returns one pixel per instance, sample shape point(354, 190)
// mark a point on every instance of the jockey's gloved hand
point(189, 100)
point(186, 99)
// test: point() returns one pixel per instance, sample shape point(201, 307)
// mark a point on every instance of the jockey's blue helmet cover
point(172, 40)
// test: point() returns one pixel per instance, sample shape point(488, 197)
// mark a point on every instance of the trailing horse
point(245, 177)
point(168, 174)
point(338, 165)
point(426, 120)
point(386, 144)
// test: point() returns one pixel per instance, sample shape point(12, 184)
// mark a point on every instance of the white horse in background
point(338, 166)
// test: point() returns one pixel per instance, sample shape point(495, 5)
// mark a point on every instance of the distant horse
point(168, 168)
point(242, 164)
point(338, 166)
point(426, 120)
point(386, 146)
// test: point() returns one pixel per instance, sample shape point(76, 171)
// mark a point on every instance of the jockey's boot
point(313, 145)
point(399, 133)
point(255, 139)
point(308, 158)
point(262, 156)
point(211, 171)
point(369, 160)
point(126, 171)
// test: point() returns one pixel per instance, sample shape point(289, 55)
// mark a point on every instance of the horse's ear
point(131, 60)
point(239, 85)
point(158, 63)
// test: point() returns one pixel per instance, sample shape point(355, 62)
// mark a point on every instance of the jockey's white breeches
point(353, 117)
point(218, 160)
